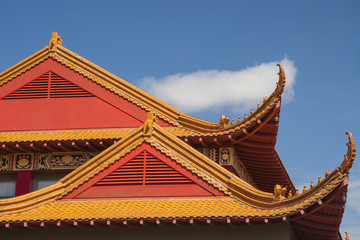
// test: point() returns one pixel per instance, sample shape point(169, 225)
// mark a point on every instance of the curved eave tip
point(349, 157)
point(282, 80)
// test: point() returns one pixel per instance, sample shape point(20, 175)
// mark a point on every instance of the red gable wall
point(51, 96)
point(145, 172)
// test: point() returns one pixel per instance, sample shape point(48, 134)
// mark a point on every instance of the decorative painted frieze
point(23, 161)
point(214, 154)
point(4, 162)
point(227, 157)
point(44, 161)
point(67, 160)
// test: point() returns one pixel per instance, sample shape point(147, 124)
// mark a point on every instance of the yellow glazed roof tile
point(243, 200)
point(83, 134)
point(155, 208)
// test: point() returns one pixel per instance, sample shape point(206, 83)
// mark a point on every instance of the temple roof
point(254, 137)
point(171, 136)
point(240, 199)
point(195, 126)
point(316, 213)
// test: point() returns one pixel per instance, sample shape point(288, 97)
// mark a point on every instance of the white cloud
point(204, 90)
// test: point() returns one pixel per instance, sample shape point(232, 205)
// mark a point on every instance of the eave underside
point(255, 147)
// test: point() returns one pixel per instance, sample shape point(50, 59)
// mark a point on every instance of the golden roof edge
point(214, 128)
point(23, 66)
point(213, 169)
point(337, 175)
point(31, 200)
point(25, 203)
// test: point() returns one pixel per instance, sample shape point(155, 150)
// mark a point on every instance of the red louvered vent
point(49, 85)
point(157, 172)
point(144, 169)
point(61, 88)
point(37, 88)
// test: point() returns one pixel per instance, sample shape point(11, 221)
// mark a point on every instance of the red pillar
point(23, 182)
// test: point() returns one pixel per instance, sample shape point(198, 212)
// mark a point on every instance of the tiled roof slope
point(243, 200)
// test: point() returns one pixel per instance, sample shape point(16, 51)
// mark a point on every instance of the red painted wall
point(100, 186)
point(62, 113)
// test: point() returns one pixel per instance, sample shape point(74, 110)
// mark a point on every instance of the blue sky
point(139, 40)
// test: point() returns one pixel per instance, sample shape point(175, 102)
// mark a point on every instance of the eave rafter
point(46, 146)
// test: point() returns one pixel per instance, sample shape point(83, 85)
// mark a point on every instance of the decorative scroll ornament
point(148, 124)
point(280, 85)
point(55, 41)
point(349, 157)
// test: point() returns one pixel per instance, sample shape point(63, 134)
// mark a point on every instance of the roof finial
point(148, 124)
point(55, 41)
point(297, 192)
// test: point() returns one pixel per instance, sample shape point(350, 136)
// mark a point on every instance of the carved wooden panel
point(23, 161)
point(44, 161)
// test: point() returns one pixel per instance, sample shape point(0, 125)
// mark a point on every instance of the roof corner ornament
point(224, 121)
point(280, 85)
point(347, 236)
point(279, 192)
point(55, 41)
point(349, 157)
point(148, 126)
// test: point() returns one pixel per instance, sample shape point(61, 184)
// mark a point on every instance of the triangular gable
point(51, 96)
point(143, 173)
